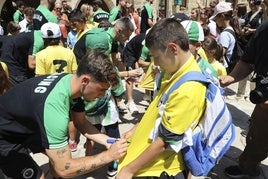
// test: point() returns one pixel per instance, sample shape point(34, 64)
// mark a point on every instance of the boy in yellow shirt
point(151, 150)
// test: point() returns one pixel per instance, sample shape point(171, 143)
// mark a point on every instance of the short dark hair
point(166, 31)
point(76, 15)
point(20, 4)
point(99, 66)
point(105, 23)
point(51, 41)
point(29, 11)
point(13, 27)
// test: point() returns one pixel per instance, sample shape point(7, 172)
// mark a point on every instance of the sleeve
point(113, 14)
point(38, 43)
point(149, 10)
point(78, 105)
point(175, 123)
point(16, 17)
point(249, 53)
point(144, 53)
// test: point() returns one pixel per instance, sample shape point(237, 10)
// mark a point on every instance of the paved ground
point(240, 109)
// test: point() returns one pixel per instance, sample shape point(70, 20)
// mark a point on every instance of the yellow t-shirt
point(185, 106)
point(149, 79)
point(220, 69)
point(5, 68)
point(55, 59)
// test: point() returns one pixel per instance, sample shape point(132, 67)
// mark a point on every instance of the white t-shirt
point(212, 28)
point(227, 40)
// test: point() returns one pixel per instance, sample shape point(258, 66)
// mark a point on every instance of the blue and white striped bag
point(212, 137)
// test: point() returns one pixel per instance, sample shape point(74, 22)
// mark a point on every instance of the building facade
point(162, 8)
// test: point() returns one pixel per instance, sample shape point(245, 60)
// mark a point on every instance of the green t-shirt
point(206, 66)
point(38, 42)
point(144, 53)
point(115, 13)
point(18, 16)
point(99, 38)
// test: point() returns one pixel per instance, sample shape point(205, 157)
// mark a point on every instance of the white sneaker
point(132, 107)
point(112, 169)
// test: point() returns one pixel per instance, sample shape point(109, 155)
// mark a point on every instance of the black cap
point(180, 17)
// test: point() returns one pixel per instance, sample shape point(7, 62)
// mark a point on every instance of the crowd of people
point(65, 71)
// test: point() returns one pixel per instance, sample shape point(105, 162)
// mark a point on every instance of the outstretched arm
point(64, 166)
point(241, 70)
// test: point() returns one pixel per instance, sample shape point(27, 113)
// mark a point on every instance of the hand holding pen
point(118, 148)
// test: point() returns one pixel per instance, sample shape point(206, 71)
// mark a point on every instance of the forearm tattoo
point(82, 170)
point(93, 166)
point(60, 153)
point(67, 166)
point(102, 159)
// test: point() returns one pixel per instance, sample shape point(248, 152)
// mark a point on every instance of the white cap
point(220, 8)
point(54, 28)
point(194, 30)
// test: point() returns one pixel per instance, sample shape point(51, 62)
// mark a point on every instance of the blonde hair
point(85, 9)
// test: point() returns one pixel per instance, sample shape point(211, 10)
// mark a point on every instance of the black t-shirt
point(256, 52)
point(80, 48)
point(38, 20)
point(15, 53)
point(27, 111)
point(132, 51)
point(144, 18)
point(100, 16)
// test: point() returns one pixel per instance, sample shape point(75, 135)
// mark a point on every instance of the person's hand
point(249, 31)
point(129, 133)
point(225, 80)
point(124, 174)
point(136, 72)
point(118, 149)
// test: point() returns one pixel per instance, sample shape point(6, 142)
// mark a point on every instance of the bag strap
point(231, 32)
point(189, 76)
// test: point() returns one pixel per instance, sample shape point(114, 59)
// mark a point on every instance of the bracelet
point(127, 74)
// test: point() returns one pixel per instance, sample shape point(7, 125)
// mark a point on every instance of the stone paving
point(240, 109)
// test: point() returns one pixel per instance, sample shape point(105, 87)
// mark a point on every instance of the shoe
point(121, 107)
point(73, 146)
point(235, 172)
point(132, 108)
point(112, 169)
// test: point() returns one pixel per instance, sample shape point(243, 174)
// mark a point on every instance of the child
point(212, 50)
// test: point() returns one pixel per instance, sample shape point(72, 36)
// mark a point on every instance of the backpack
point(237, 53)
point(205, 145)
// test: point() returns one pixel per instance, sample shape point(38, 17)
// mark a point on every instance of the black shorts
point(16, 162)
